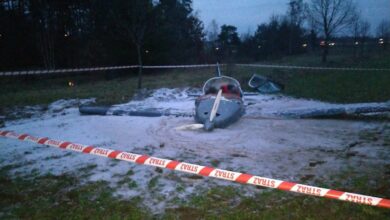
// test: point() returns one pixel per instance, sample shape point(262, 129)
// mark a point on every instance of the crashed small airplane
point(222, 101)
point(220, 105)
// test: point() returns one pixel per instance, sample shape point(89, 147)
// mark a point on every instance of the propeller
point(213, 113)
point(216, 105)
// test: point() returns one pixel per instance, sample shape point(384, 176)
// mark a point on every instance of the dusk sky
point(247, 14)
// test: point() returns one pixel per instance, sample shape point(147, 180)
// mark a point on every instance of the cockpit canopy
point(228, 85)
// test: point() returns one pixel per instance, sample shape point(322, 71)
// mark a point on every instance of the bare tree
point(295, 17)
point(383, 32)
point(134, 18)
point(296, 12)
point(43, 16)
point(360, 31)
point(330, 17)
point(364, 34)
point(212, 33)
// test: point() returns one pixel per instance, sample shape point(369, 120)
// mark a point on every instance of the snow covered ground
point(301, 150)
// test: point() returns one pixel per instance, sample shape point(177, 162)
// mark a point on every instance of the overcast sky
point(247, 14)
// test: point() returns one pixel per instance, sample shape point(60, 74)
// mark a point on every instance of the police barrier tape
point(182, 66)
point(53, 71)
point(311, 67)
point(204, 170)
point(39, 72)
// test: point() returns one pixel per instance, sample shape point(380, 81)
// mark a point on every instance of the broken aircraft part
point(264, 85)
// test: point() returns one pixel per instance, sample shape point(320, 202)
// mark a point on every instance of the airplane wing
point(181, 103)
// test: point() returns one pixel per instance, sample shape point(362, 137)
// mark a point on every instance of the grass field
point(63, 197)
point(119, 87)
point(332, 85)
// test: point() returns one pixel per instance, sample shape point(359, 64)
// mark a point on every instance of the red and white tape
point(181, 66)
point(39, 72)
point(93, 69)
point(204, 170)
point(312, 67)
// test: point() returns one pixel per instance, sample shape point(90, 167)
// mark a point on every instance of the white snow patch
point(174, 101)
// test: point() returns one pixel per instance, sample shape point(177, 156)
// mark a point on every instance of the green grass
point(228, 203)
point(62, 197)
point(342, 87)
point(335, 86)
point(44, 90)
point(337, 58)
point(332, 86)
point(153, 182)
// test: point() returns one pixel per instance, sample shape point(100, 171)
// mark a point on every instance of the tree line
point(68, 33)
point(306, 26)
point(73, 33)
